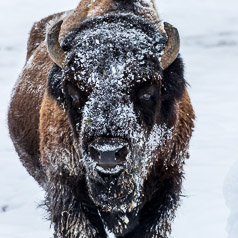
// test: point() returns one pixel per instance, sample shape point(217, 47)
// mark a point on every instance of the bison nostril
point(94, 154)
point(121, 154)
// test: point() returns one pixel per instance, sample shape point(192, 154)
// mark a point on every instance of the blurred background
point(209, 46)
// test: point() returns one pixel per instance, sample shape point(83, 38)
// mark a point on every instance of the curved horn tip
point(56, 53)
point(172, 48)
point(56, 27)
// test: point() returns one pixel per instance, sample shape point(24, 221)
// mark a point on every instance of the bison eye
point(146, 96)
point(73, 95)
point(147, 101)
point(74, 98)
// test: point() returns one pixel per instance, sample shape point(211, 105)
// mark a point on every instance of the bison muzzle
point(101, 118)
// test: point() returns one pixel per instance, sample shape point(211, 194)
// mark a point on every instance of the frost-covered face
point(113, 90)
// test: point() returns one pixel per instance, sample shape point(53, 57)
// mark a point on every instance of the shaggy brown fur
point(26, 100)
point(39, 126)
point(30, 87)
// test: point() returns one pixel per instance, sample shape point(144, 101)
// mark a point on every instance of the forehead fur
point(126, 41)
point(129, 21)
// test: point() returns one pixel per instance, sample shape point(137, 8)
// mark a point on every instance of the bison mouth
point(110, 173)
point(113, 193)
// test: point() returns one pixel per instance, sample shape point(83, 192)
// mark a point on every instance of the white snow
point(209, 41)
point(209, 46)
point(231, 195)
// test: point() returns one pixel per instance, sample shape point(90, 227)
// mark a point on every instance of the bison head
point(111, 78)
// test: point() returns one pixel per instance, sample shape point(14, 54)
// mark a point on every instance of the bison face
point(119, 105)
point(118, 132)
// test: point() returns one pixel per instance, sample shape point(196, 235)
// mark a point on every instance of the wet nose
point(109, 153)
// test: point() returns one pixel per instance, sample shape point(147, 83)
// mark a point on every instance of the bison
point(101, 118)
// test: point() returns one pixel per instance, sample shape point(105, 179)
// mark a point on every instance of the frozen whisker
point(109, 171)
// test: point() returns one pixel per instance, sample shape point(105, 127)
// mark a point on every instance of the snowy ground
point(209, 34)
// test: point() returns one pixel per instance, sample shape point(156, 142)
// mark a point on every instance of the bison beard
point(115, 119)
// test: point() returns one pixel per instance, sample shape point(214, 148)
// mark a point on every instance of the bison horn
point(172, 48)
point(55, 51)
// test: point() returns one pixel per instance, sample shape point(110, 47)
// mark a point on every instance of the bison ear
point(55, 84)
point(173, 80)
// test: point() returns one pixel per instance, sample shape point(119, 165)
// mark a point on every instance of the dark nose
point(108, 153)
